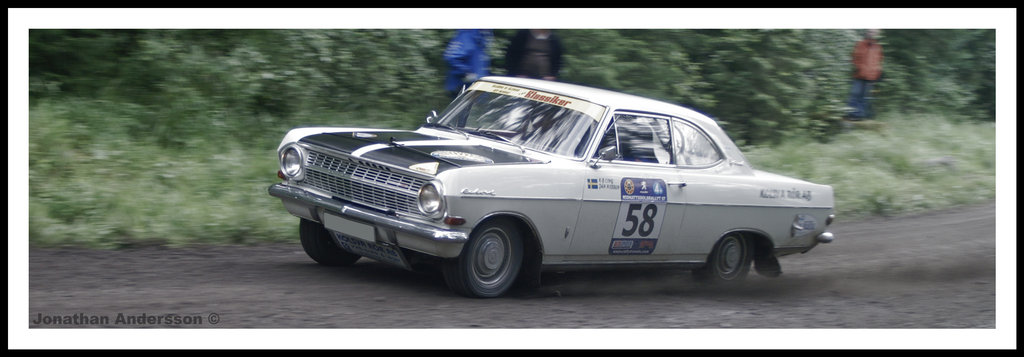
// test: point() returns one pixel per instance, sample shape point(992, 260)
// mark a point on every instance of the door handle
point(680, 184)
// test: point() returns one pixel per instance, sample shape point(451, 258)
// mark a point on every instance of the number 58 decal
point(642, 208)
point(639, 220)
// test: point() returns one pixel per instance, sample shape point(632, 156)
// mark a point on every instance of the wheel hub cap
point(731, 252)
point(491, 257)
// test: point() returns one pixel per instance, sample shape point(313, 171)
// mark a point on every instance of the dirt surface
point(932, 271)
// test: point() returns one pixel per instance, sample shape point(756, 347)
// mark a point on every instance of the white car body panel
point(578, 208)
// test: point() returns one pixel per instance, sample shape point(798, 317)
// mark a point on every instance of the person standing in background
point(867, 63)
point(534, 54)
point(467, 59)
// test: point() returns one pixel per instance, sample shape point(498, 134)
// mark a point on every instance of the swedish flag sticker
point(592, 183)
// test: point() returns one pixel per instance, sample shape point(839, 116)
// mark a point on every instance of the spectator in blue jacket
point(467, 59)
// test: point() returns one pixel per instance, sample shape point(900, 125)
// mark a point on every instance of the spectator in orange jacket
point(867, 63)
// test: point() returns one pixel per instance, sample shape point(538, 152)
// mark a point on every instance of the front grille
point(362, 183)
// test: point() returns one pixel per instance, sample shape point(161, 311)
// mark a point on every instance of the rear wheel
point(319, 245)
point(729, 260)
point(489, 262)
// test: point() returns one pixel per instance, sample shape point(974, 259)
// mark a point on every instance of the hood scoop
point(461, 156)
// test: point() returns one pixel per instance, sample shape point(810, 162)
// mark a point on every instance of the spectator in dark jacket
point(534, 54)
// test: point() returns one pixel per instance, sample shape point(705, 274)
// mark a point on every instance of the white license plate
point(349, 227)
point(359, 238)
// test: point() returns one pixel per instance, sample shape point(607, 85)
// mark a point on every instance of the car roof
point(613, 99)
point(623, 101)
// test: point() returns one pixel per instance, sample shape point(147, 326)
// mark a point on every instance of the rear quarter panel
point(763, 202)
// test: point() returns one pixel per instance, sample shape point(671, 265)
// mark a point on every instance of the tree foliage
point(949, 71)
point(763, 85)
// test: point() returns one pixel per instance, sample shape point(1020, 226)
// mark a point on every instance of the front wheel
point(729, 260)
point(489, 262)
point(319, 245)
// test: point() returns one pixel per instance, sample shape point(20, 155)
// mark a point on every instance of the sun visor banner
point(592, 110)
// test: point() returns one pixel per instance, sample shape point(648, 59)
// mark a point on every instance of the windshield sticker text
point(548, 99)
point(594, 111)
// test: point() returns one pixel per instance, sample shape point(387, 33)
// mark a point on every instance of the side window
point(692, 147)
point(642, 139)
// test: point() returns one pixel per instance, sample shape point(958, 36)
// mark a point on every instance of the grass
point(116, 189)
point(97, 181)
point(903, 164)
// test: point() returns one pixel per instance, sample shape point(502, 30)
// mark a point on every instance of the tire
point(729, 261)
point(489, 263)
point(319, 245)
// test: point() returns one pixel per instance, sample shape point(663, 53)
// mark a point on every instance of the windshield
point(541, 121)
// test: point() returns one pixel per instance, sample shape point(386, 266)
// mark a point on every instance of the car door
point(703, 175)
point(630, 206)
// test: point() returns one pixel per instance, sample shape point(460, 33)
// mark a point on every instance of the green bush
point(766, 86)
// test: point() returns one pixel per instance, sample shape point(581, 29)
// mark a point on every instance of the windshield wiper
point(446, 127)
point(491, 135)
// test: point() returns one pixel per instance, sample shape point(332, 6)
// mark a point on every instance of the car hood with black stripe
point(408, 149)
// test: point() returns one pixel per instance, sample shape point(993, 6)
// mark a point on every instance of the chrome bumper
point(428, 239)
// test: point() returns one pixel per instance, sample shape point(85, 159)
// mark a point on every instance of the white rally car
point(518, 175)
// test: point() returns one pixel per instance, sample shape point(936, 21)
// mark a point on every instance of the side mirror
point(608, 153)
point(432, 117)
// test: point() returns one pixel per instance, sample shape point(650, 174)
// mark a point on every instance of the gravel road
point(932, 271)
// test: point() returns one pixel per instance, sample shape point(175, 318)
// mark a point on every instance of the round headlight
point(430, 200)
point(291, 162)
